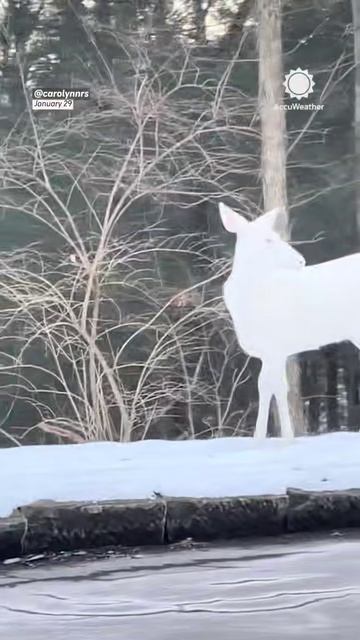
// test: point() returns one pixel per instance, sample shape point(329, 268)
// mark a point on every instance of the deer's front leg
point(265, 388)
point(281, 395)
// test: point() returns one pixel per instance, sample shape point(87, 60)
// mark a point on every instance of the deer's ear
point(274, 220)
point(232, 221)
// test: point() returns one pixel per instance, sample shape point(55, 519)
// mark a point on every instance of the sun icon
point(299, 83)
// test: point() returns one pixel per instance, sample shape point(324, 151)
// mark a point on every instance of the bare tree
point(119, 346)
point(273, 148)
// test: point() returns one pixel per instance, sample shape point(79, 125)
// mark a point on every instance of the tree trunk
point(273, 151)
point(356, 23)
point(331, 372)
point(353, 408)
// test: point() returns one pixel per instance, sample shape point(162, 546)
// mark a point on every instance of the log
point(317, 510)
point(52, 526)
point(209, 519)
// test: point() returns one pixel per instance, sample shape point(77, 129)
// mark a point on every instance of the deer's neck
point(247, 273)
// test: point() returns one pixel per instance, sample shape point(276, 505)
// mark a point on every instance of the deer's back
point(289, 311)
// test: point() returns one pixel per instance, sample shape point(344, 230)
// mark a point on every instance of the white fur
point(280, 307)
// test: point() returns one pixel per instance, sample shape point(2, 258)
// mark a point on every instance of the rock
point(68, 526)
point(316, 510)
point(207, 519)
point(11, 532)
point(48, 526)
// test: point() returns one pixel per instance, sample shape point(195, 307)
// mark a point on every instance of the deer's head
point(258, 243)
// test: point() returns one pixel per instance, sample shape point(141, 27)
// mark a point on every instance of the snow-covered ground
point(197, 468)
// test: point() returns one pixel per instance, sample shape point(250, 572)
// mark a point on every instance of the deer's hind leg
point(281, 394)
point(266, 392)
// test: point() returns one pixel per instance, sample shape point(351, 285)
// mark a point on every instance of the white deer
point(281, 307)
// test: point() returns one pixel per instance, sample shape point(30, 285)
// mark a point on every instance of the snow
point(221, 467)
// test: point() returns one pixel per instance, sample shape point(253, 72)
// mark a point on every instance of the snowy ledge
point(155, 492)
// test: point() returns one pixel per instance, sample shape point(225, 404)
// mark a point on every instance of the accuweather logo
point(299, 83)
